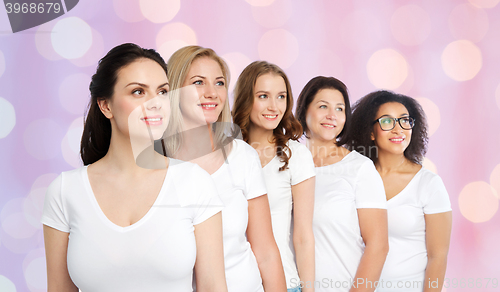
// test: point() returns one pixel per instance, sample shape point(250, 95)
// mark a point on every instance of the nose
point(271, 104)
point(397, 128)
point(154, 103)
point(331, 115)
point(210, 91)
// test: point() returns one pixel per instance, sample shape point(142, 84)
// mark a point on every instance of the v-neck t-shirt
point(157, 253)
point(406, 261)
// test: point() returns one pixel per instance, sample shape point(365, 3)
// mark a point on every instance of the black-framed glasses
point(387, 124)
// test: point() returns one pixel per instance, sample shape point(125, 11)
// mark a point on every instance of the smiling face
point(325, 116)
point(204, 92)
point(269, 103)
point(394, 141)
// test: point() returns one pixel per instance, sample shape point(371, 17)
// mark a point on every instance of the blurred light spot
point(461, 60)
point(236, 62)
point(6, 285)
point(93, 55)
point(361, 31)
point(159, 11)
point(428, 164)
point(74, 93)
point(7, 117)
point(174, 36)
point(497, 95)
point(42, 139)
point(387, 69)
point(128, 10)
point(36, 275)
point(274, 15)
point(168, 48)
point(279, 47)
point(71, 37)
point(2, 63)
point(33, 207)
point(16, 226)
point(260, 2)
point(478, 202)
point(495, 180)
point(410, 25)
point(70, 144)
point(44, 180)
point(468, 22)
point(432, 114)
point(43, 41)
point(484, 3)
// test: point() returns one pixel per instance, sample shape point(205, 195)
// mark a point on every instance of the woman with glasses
point(391, 130)
point(350, 220)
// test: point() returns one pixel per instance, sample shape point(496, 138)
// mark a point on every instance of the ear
point(372, 136)
point(105, 108)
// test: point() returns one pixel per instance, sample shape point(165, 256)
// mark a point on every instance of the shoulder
point(298, 149)
point(358, 161)
point(71, 177)
point(430, 180)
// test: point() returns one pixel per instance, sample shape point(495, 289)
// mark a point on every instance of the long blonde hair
point(178, 68)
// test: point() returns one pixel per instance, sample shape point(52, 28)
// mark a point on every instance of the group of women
point(169, 200)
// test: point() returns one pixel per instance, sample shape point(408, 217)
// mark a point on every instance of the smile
point(330, 126)
point(152, 121)
point(270, 117)
point(397, 140)
point(208, 106)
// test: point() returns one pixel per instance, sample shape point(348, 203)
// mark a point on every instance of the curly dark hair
point(307, 96)
point(288, 128)
point(363, 115)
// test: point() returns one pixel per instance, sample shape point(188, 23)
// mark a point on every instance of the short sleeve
point(255, 186)
point(301, 164)
point(438, 200)
point(208, 202)
point(53, 208)
point(369, 189)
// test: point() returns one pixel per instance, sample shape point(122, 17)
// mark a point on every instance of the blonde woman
point(199, 80)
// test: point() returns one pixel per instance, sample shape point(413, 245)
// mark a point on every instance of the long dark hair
point(307, 96)
point(97, 128)
point(288, 128)
point(364, 114)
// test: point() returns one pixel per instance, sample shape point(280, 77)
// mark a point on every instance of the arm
point(261, 238)
point(56, 249)
point(209, 266)
point(437, 240)
point(373, 226)
point(303, 236)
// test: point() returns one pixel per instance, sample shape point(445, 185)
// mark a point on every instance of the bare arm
point(303, 236)
point(437, 240)
point(373, 225)
point(261, 238)
point(56, 249)
point(209, 266)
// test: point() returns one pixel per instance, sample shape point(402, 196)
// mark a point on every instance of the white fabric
point(407, 258)
point(157, 253)
point(279, 191)
point(341, 189)
point(238, 180)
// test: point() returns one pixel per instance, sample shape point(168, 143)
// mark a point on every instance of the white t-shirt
point(407, 259)
point(238, 180)
point(279, 191)
point(157, 253)
point(342, 188)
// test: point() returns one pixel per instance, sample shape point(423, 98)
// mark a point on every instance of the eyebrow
point(144, 85)
point(402, 115)
point(324, 101)
point(203, 77)
point(264, 91)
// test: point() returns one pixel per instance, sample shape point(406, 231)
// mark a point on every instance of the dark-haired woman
point(114, 226)
point(393, 126)
point(263, 105)
point(350, 217)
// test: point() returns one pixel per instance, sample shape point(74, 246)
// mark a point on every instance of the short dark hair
point(97, 128)
point(307, 96)
point(363, 115)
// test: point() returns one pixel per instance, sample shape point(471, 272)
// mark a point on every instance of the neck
point(322, 148)
point(196, 142)
point(388, 162)
point(260, 138)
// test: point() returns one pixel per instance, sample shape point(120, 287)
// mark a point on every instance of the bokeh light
point(71, 37)
point(36, 275)
point(279, 47)
point(17, 241)
point(159, 11)
point(2, 63)
point(236, 62)
point(93, 55)
point(410, 25)
point(484, 3)
point(6, 285)
point(43, 41)
point(387, 69)
point(495, 179)
point(428, 164)
point(468, 22)
point(478, 202)
point(274, 15)
point(17, 226)
point(42, 139)
point(33, 207)
point(128, 10)
point(7, 117)
point(432, 114)
point(174, 36)
point(461, 60)
point(260, 2)
point(74, 93)
point(70, 144)
point(361, 31)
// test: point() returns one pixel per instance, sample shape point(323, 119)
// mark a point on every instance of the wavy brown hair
point(364, 115)
point(288, 128)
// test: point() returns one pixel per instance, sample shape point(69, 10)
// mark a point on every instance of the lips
point(153, 120)
point(397, 140)
point(329, 126)
point(270, 117)
point(208, 106)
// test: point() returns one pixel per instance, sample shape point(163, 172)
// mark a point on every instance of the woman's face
point(204, 92)
point(269, 103)
point(393, 141)
point(325, 116)
point(139, 106)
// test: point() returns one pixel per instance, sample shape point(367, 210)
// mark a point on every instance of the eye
point(138, 91)
point(386, 121)
point(220, 83)
point(282, 96)
point(405, 120)
point(262, 96)
point(163, 92)
point(323, 106)
point(340, 109)
point(198, 82)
